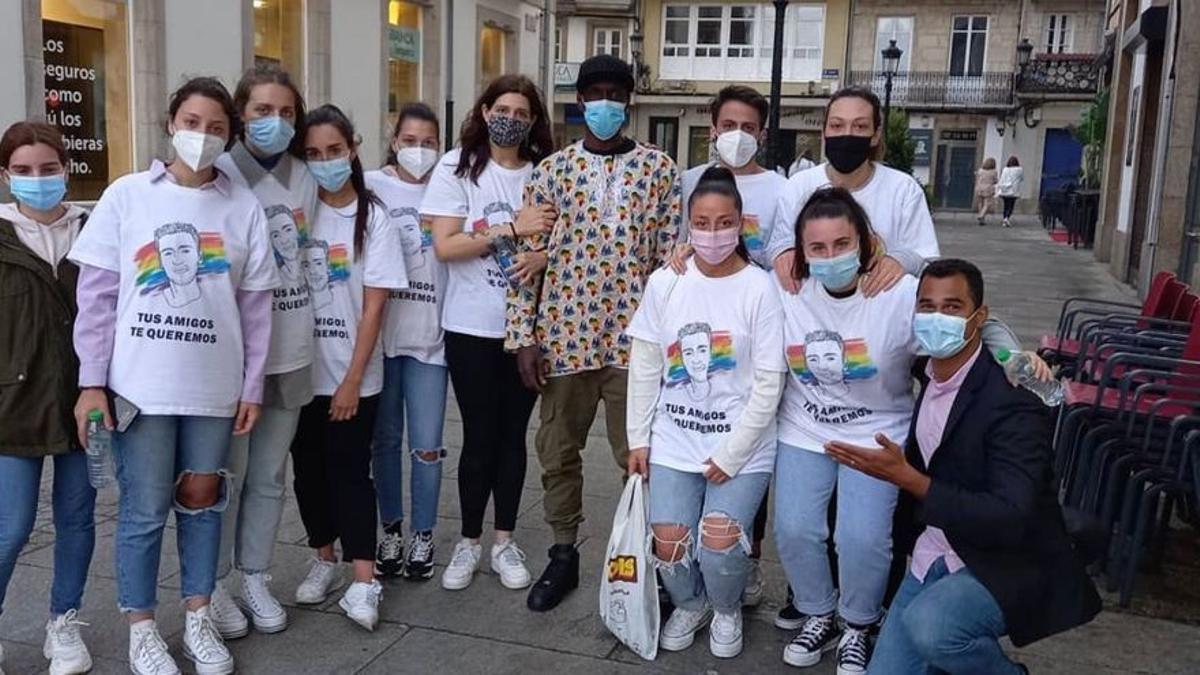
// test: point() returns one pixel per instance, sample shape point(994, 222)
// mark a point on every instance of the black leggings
point(495, 409)
point(332, 463)
point(1009, 203)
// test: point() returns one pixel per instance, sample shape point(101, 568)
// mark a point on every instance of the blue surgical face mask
point(835, 273)
point(40, 193)
point(604, 117)
point(331, 174)
point(270, 134)
point(940, 335)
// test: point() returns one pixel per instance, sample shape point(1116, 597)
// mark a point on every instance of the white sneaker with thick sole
point(265, 611)
point(508, 561)
point(725, 634)
point(752, 595)
point(361, 603)
point(228, 619)
point(463, 563)
point(64, 646)
point(322, 578)
point(203, 646)
point(680, 630)
point(148, 653)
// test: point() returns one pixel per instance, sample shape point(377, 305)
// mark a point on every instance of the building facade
point(101, 70)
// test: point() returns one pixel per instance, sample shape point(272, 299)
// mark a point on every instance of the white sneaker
point(508, 560)
point(64, 646)
point(361, 603)
point(753, 593)
point(148, 653)
point(226, 616)
point(322, 578)
point(725, 634)
point(461, 570)
point(202, 644)
point(680, 630)
point(264, 610)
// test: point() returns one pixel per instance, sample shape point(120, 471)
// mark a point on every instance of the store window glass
point(86, 55)
point(279, 35)
point(491, 54)
point(699, 150)
point(404, 55)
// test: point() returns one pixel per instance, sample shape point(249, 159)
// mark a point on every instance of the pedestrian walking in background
point(803, 163)
point(37, 398)
point(985, 189)
point(1009, 187)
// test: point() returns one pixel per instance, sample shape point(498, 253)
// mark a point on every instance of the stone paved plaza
point(486, 629)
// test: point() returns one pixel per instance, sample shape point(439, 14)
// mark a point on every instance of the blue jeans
point(74, 525)
point(684, 498)
point(152, 455)
point(804, 483)
point(417, 391)
point(950, 623)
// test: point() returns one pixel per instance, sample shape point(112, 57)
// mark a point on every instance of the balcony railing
point(1061, 74)
point(940, 90)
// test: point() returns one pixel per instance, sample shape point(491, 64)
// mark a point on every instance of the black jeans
point(1009, 203)
point(332, 463)
point(495, 410)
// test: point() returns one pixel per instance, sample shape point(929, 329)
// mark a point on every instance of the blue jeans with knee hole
point(704, 575)
point(152, 455)
point(416, 392)
point(74, 523)
point(948, 623)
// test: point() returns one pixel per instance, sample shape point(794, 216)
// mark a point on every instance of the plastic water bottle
point(1020, 371)
point(504, 250)
point(99, 451)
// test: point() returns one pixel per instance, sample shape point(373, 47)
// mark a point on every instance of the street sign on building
point(565, 74)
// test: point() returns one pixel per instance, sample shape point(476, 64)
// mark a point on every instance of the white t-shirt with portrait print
point(337, 275)
point(413, 324)
point(713, 334)
point(182, 255)
point(476, 289)
point(849, 363)
point(289, 209)
point(760, 197)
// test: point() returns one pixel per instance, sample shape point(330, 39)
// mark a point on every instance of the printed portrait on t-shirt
point(285, 241)
point(408, 221)
point(324, 266)
point(828, 362)
point(699, 354)
point(495, 213)
point(173, 264)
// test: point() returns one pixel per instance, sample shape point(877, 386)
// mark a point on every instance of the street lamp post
point(891, 65)
point(775, 139)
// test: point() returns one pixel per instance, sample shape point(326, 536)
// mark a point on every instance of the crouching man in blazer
point(977, 510)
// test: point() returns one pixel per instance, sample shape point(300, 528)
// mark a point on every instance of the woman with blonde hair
point(985, 188)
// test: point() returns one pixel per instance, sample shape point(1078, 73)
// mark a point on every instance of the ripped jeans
point(702, 573)
point(416, 392)
point(152, 456)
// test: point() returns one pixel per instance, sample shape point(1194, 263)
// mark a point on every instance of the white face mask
point(197, 150)
point(416, 161)
point(736, 148)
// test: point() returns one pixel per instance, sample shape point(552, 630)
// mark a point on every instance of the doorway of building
point(664, 133)
point(1061, 157)
point(955, 175)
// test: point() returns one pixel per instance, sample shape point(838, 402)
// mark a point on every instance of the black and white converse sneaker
point(389, 555)
point(789, 618)
point(854, 651)
point(418, 566)
point(818, 635)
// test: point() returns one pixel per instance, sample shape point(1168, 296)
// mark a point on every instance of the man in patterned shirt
point(618, 205)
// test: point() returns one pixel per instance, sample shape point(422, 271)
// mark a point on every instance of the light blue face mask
point(331, 174)
point(940, 335)
point(835, 273)
point(40, 193)
point(270, 134)
point(604, 117)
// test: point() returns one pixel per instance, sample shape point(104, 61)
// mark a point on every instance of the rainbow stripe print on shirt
point(856, 361)
point(720, 358)
point(426, 233)
point(208, 260)
point(339, 263)
point(752, 232)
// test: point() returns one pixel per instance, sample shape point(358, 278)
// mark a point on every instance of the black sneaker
point(789, 618)
point(818, 634)
point(389, 555)
point(560, 577)
point(854, 651)
point(418, 566)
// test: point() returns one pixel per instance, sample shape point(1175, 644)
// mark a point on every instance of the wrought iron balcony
point(927, 89)
point(1061, 74)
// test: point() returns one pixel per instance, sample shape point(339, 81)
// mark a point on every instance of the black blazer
point(993, 494)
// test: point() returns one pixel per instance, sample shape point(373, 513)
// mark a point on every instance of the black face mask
point(847, 153)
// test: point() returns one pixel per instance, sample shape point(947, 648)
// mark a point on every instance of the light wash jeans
point(804, 483)
point(683, 498)
point(257, 467)
point(74, 525)
point(151, 456)
point(950, 623)
point(416, 391)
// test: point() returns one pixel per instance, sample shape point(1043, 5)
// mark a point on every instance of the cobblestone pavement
point(486, 629)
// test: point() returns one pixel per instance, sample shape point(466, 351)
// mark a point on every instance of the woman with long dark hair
point(351, 260)
point(474, 199)
point(1009, 187)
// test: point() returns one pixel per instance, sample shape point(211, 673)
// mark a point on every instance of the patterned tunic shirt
point(618, 216)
